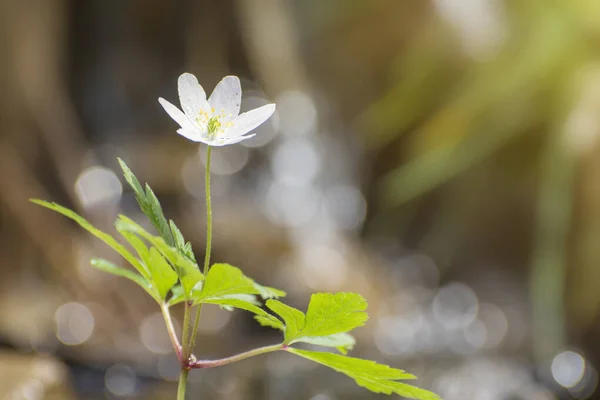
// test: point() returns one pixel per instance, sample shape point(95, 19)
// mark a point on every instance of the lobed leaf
point(292, 317)
point(155, 213)
point(268, 292)
point(269, 322)
point(343, 342)
point(187, 270)
point(223, 280)
point(248, 306)
point(105, 237)
point(140, 248)
point(111, 268)
point(375, 377)
point(180, 243)
point(177, 295)
point(149, 204)
point(330, 313)
point(163, 276)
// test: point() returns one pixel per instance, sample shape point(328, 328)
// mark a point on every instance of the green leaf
point(187, 249)
point(268, 292)
point(149, 204)
point(140, 248)
point(105, 237)
point(177, 235)
point(189, 277)
point(111, 268)
point(376, 377)
point(293, 318)
point(132, 181)
point(270, 322)
point(187, 270)
point(330, 313)
point(223, 280)
point(245, 305)
point(182, 246)
point(249, 298)
point(327, 314)
point(177, 295)
point(163, 276)
point(344, 342)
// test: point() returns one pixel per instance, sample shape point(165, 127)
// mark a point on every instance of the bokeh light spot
point(154, 335)
point(74, 323)
point(98, 186)
point(120, 380)
point(455, 305)
point(297, 113)
point(568, 368)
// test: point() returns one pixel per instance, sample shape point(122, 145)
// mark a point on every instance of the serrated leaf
point(293, 318)
point(177, 295)
point(376, 377)
point(187, 270)
point(189, 252)
point(327, 314)
point(154, 212)
point(149, 204)
point(177, 235)
point(105, 237)
point(223, 280)
point(140, 248)
point(111, 268)
point(163, 276)
point(180, 243)
point(268, 292)
point(132, 181)
point(189, 277)
point(249, 298)
point(245, 305)
point(330, 313)
point(344, 342)
point(270, 322)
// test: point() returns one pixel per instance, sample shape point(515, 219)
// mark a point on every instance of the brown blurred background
point(438, 156)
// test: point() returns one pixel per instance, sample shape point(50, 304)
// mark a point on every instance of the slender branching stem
point(182, 384)
point(185, 340)
point(208, 243)
point(171, 329)
point(238, 357)
point(184, 361)
point(208, 212)
point(189, 341)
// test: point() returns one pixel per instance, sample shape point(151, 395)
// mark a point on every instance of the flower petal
point(194, 135)
point(239, 139)
point(176, 114)
point(191, 95)
point(221, 141)
point(226, 97)
point(249, 121)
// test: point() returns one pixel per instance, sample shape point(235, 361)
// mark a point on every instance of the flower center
point(214, 125)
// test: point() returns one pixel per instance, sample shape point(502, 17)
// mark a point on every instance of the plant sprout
point(165, 266)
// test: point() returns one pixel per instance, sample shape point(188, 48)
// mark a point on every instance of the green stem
point(182, 384)
point(208, 212)
point(208, 243)
point(238, 357)
point(185, 341)
point(184, 362)
point(171, 329)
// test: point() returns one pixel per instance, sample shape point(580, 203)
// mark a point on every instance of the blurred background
point(438, 156)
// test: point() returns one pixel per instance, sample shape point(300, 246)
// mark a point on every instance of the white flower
point(216, 121)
